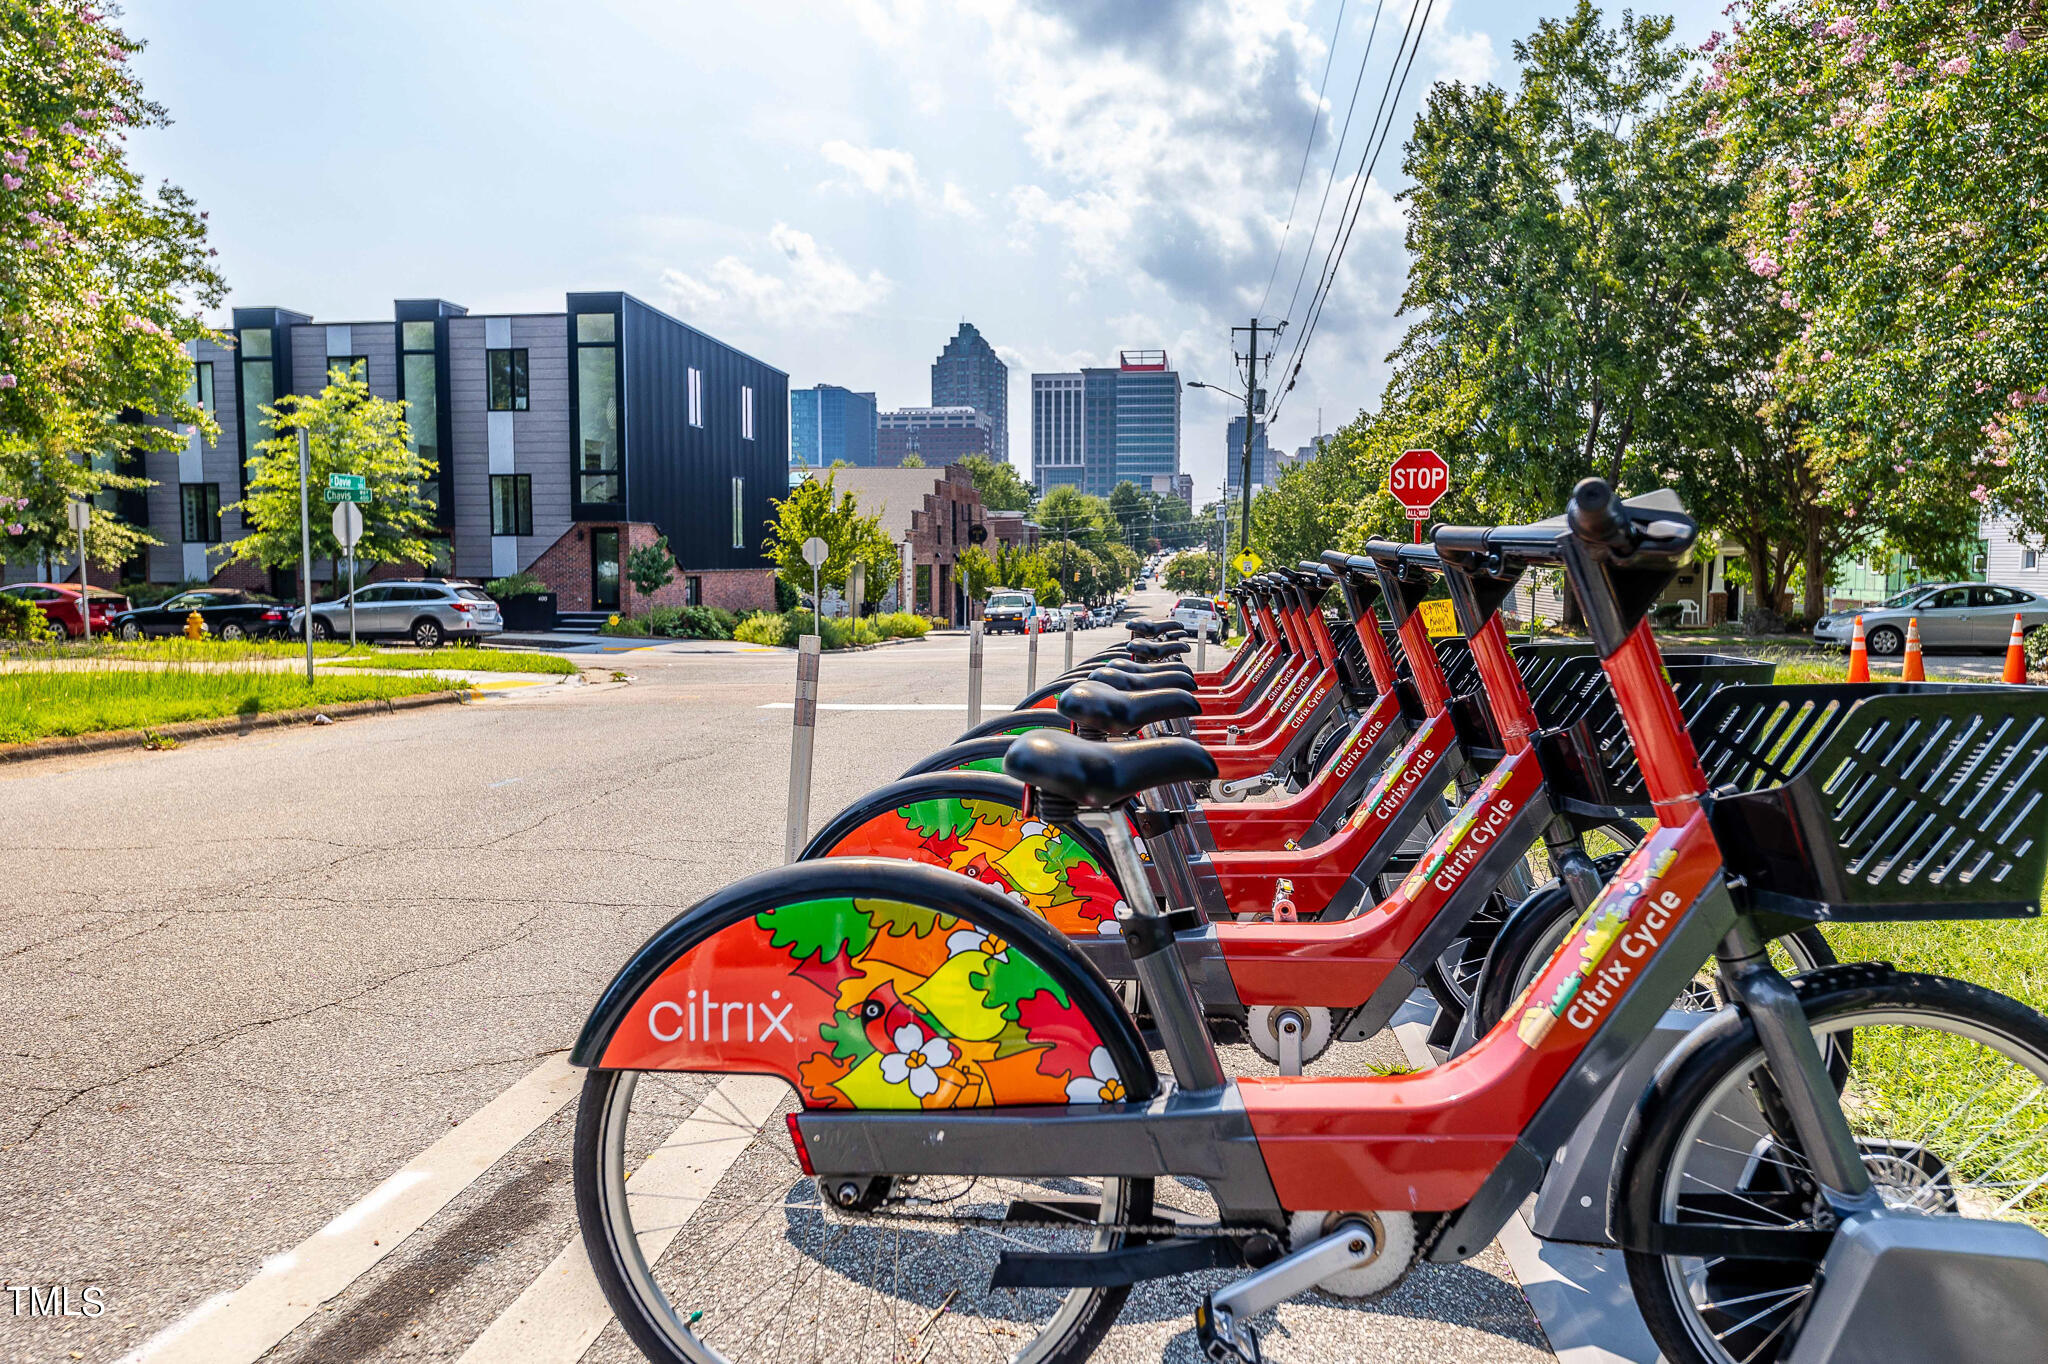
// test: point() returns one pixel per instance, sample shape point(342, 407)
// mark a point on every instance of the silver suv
point(428, 611)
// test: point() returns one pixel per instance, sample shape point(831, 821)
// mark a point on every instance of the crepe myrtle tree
point(102, 281)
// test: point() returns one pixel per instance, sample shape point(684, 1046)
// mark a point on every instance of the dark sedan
point(229, 613)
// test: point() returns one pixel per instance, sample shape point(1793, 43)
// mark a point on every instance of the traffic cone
point(2016, 654)
point(1859, 656)
point(1914, 671)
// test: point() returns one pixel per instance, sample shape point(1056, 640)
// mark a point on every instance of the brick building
point(932, 515)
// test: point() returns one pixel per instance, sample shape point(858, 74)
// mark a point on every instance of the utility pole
point(1254, 404)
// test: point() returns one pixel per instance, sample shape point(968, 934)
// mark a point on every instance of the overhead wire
point(1308, 146)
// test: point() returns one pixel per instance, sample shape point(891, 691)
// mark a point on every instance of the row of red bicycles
point(969, 1073)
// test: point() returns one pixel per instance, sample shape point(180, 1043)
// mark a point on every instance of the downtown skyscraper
point(968, 374)
point(1096, 428)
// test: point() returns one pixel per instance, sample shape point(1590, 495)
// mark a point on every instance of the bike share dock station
point(1604, 1138)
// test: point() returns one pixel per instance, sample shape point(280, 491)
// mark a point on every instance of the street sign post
point(80, 516)
point(348, 528)
point(816, 551)
point(306, 546)
point(353, 483)
point(1418, 480)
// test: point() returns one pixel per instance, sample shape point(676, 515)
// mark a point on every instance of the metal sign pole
point(306, 545)
point(802, 747)
point(974, 674)
point(351, 598)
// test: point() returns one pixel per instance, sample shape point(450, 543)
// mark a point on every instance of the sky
point(832, 187)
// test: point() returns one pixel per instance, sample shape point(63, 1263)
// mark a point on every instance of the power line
point(1301, 176)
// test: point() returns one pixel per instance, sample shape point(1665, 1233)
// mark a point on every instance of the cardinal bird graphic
point(912, 1051)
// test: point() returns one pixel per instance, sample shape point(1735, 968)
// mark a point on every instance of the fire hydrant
point(195, 628)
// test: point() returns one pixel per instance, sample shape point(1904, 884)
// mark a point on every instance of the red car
point(59, 602)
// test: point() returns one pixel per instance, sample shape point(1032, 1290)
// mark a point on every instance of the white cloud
point(808, 285)
point(882, 171)
point(1458, 56)
point(955, 201)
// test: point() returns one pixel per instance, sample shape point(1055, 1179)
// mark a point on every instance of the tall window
point(746, 412)
point(348, 367)
point(597, 410)
point(696, 397)
point(2030, 559)
point(199, 508)
point(200, 395)
point(420, 386)
point(511, 504)
point(739, 521)
point(693, 590)
point(258, 390)
point(507, 371)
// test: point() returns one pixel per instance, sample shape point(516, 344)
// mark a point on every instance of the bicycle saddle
point(1157, 653)
point(1154, 629)
point(1105, 710)
point(1096, 776)
point(1144, 679)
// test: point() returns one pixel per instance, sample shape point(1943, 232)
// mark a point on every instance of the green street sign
point(353, 483)
point(346, 495)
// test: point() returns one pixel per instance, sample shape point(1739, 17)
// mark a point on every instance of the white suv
point(1200, 617)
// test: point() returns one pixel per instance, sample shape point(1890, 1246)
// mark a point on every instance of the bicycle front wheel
point(714, 1247)
point(1946, 1092)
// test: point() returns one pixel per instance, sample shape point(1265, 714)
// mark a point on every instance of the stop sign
point(1417, 480)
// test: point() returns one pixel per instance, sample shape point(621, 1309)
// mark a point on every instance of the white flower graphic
point(1100, 1085)
point(977, 940)
point(916, 1060)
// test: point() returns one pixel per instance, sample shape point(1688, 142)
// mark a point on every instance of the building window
point(746, 412)
point(2030, 559)
point(598, 461)
point(739, 520)
point(420, 385)
point(511, 504)
point(602, 328)
point(199, 505)
point(200, 395)
point(693, 590)
point(348, 367)
point(257, 390)
point(416, 335)
point(507, 371)
point(696, 397)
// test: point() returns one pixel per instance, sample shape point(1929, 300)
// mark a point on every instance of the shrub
point(786, 597)
point(155, 594)
point(518, 585)
point(622, 625)
point(899, 625)
point(763, 627)
point(703, 622)
point(24, 620)
point(2037, 651)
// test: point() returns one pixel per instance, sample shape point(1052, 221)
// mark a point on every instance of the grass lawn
point(177, 650)
point(464, 659)
point(35, 705)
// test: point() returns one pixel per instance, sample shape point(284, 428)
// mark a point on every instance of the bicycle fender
point(983, 754)
point(1016, 722)
point(867, 983)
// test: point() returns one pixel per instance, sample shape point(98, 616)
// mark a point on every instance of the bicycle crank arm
point(1219, 1321)
point(1258, 785)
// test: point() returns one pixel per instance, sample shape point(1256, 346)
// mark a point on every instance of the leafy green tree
point(1190, 571)
point(1122, 563)
point(1133, 512)
point(101, 281)
point(349, 431)
point(913, 460)
point(816, 507)
point(1000, 487)
point(1896, 175)
point(651, 567)
point(977, 569)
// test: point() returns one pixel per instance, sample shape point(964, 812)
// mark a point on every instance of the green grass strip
point(37, 705)
point(465, 660)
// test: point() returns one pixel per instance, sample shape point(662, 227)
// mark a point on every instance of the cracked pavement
point(244, 981)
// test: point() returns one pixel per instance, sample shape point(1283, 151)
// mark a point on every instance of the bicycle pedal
point(1221, 1339)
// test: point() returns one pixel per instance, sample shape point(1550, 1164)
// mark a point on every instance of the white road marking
point(238, 1327)
point(867, 705)
point(561, 1312)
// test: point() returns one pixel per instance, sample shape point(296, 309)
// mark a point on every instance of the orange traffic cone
point(2016, 654)
point(1914, 671)
point(1859, 655)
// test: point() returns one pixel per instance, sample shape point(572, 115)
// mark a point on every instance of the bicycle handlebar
point(1595, 517)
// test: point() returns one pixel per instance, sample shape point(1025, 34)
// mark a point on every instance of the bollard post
point(974, 674)
point(802, 744)
point(1069, 665)
point(1031, 657)
point(1201, 654)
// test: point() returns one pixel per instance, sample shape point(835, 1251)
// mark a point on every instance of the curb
point(66, 745)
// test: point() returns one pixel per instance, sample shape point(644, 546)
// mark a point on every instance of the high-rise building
point(968, 374)
point(1101, 427)
point(937, 435)
point(829, 423)
point(1263, 472)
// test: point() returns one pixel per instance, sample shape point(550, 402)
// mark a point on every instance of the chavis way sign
point(1418, 480)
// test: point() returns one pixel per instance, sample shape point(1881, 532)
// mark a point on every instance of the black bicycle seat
point(1155, 629)
point(1095, 776)
point(1144, 679)
point(1160, 652)
point(1104, 709)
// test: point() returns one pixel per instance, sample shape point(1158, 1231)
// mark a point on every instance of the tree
point(651, 567)
point(1132, 511)
point(816, 507)
point(39, 479)
point(913, 460)
point(976, 569)
point(1190, 571)
point(349, 431)
point(1896, 176)
point(101, 282)
point(998, 484)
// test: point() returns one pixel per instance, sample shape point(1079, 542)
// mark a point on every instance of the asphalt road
point(284, 1014)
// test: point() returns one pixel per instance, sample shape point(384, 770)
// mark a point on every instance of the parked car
point(228, 612)
point(1081, 614)
point(427, 611)
point(1951, 616)
point(1200, 616)
point(59, 603)
point(1104, 615)
point(1011, 610)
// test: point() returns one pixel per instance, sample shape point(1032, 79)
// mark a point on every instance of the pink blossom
point(7, 381)
point(11, 181)
point(15, 528)
point(1787, 302)
point(1902, 72)
point(1827, 357)
point(1956, 66)
point(1880, 228)
point(1858, 50)
point(2016, 399)
point(1981, 493)
point(2015, 41)
point(1844, 27)
point(1898, 468)
point(1716, 83)
point(1712, 128)
point(70, 129)
point(1760, 263)
point(2000, 460)
point(1714, 40)
point(52, 198)
point(16, 159)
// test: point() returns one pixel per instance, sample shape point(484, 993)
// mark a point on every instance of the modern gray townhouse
point(564, 440)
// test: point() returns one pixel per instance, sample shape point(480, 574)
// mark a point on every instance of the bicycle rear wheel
point(713, 1246)
point(1947, 1094)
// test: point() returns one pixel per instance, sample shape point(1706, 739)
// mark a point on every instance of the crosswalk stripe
point(238, 1327)
point(561, 1312)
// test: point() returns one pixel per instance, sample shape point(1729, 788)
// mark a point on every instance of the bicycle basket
point(1585, 748)
point(1881, 800)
